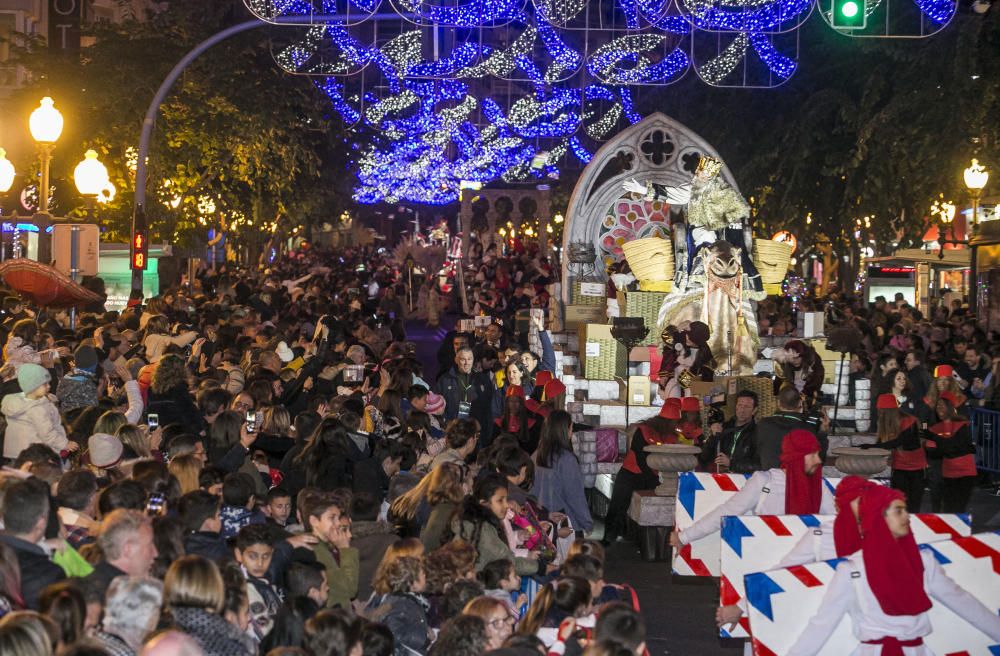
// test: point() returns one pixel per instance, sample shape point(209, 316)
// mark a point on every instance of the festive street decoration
point(422, 77)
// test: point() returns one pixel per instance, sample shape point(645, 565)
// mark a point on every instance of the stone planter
point(669, 460)
point(861, 462)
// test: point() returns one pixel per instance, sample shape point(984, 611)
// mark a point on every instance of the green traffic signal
point(848, 14)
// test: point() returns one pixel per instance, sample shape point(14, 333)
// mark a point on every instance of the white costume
point(816, 545)
point(849, 592)
point(763, 494)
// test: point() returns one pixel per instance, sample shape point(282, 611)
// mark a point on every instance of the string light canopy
point(486, 90)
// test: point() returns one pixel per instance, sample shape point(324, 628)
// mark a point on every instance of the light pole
point(976, 177)
point(7, 175)
point(91, 177)
point(45, 124)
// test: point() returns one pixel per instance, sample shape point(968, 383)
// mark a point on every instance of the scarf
point(846, 532)
point(892, 565)
point(803, 493)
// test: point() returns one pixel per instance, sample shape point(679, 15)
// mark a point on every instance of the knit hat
point(284, 352)
point(105, 450)
point(886, 402)
point(32, 376)
point(435, 404)
point(943, 371)
point(85, 358)
point(690, 404)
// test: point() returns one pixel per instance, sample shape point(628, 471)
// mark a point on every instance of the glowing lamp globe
point(46, 122)
point(90, 175)
point(976, 176)
point(849, 9)
point(6, 172)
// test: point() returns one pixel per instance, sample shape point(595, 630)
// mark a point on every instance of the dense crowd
point(258, 463)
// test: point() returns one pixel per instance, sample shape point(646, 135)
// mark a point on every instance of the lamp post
point(945, 213)
point(91, 177)
point(46, 125)
point(976, 176)
point(7, 175)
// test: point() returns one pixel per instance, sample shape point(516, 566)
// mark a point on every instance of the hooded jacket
point(77, 389)
point(771, 431)
point(30, 421)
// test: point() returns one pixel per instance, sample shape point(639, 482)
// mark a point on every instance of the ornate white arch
point(630, 154)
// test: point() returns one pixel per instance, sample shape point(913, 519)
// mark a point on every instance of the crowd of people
point(258, 463)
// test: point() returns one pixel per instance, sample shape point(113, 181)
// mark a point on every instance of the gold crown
point(708, 167)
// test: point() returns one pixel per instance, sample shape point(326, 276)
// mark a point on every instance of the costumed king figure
point(714, 211)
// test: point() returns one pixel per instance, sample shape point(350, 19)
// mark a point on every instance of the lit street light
point(46, 125)
point(6, 172)
point(976, 176)
point(90, 175)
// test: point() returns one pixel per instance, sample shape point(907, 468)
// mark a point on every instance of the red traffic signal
point(139, 251)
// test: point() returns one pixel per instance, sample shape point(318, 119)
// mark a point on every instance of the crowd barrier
point(986, 436)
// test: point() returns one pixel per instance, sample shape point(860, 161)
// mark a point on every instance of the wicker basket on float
point(652, 263)
point(772, 259)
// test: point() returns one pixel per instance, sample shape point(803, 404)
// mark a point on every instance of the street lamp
point(6, 172)
point(976, 177)
point(46, 124)
point(90, 175)
point(945, 213)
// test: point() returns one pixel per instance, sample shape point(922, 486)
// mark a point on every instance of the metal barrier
point(986, 437)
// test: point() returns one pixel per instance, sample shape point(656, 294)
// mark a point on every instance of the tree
point(238, 142)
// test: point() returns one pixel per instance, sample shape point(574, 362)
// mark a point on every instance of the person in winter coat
point(771, 431)
point(399, 604)
point(950, 441)
point(735, 449)
point(20, 347)
point(480, 525)
point(558, 483)
point(371, 538)
point(900, 433)
point(801, 368)
point(194, 597)
point(78, 388)
point(467, 394)
point(158, 338)
point(31, 415)
point(170, 398)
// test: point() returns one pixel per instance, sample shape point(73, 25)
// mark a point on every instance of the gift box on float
point(601, 356)
point(645, 305)
point(589, 292)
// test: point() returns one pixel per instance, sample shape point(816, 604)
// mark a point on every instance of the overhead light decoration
point(426, 91)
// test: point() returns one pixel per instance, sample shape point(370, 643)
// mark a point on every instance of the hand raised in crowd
point(123, 373)
point(246, 438)
point(302, 541)
point(155, 437)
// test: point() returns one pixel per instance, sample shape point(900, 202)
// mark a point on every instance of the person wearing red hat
point(951, 440)
point(794, 489)
point(554, 392)
point(833, 538)
point(886, 588)
point(690, 430)
point(944, 381)
point(900, 433)
point(635, 474)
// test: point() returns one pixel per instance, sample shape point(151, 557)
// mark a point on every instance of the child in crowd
point(400, 605)
point(502, 582)
point(325, 514)
point(199, 513)
point(278, 508)
point(565, 598)
point(238, 501)
point(253, 552)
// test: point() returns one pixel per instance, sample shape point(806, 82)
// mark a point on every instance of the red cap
point(552, 389)
point(950, 398)
point(690, 404)
point(886, 402)
point(543, 377)
point(670, 410)
point(943, 371)
point(515, 390)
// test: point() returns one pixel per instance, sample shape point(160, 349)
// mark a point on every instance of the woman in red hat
point(951, 441)
point(886, 588)
point(635, 474)
point(944, 381)
point(899, 432)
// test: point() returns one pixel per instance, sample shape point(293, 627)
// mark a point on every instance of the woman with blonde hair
point(194, 596)
point(495, 614)
point(27, 633)
point(944, 381)
point(135, 441)
point(186, 469)
point(110, 422)
point(444, 486)
point(406, 548)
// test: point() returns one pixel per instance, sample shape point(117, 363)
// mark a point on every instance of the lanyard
point(736, 438)
point(465, 388)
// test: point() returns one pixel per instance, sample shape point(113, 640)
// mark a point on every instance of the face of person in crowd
point(960, 348)
point(899, 382)
point(458, 344)
point(745, 407)
point(420, 585)
point(140, 552)
point(943, 410)
point(971, 358)
point(967, 331)
point(911, 362)
point(889, 365)
point(898, 519)
point(214, 523)
point(320, 594)
point(39, 392)
point(795, 359)
point(499, 627)
point(241, 618)
point(529, 362)
point(327, 526)
point(243, 403)
point(391, 466)
point(812, 463)
point(942, 383)
point(497, 503)
point(419, 403)
point(256, 559)
point(279, 509)
point(492, 333)
point(514, 374)
point(463, 362)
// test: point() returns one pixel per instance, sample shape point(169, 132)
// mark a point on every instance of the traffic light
point(140, 251)
point(849, 14)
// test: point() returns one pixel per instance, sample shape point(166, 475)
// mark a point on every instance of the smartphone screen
point(153, 420)
point(251, 421)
